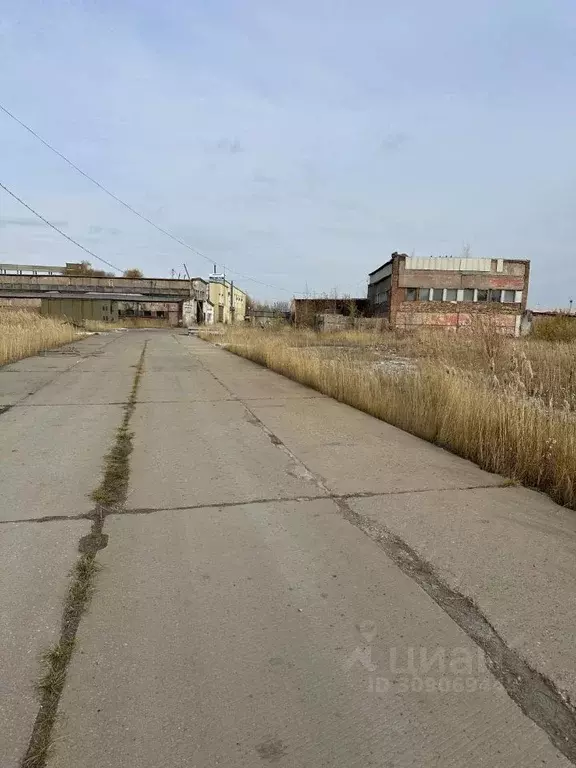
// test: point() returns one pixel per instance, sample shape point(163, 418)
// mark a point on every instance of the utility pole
point(189, 280)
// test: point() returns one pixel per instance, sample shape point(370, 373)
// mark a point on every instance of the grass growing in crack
point(110, 493)
point(57, 659)
point(113, 488)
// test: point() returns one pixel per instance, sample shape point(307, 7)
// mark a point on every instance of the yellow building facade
point(228, 300)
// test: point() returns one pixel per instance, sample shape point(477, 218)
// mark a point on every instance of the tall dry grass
point(25, 333)
point(508, 406)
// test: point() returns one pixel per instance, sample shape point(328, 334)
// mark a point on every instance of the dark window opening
point(424, 294)
point(147, 313)
point(482, 294)
point(451, 294)
point(495, 296)
point(161, 313)
point(411, 294)
point(438, 294)
point(468, 294)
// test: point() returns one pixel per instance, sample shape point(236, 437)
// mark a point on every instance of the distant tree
point(134, 273)
point(278, 307)
point(85, 268)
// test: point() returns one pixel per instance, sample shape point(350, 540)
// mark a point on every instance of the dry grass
point(562, 327)
point(25, 333)
point(506, 405)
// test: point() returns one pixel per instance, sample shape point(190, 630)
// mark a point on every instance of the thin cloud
point(393, 141)
point(228, 146)
point(95, 229)
point(27, 221)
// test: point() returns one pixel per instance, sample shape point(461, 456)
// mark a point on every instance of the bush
point(557, 328)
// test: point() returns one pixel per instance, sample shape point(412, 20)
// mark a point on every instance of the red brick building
point(450, 292)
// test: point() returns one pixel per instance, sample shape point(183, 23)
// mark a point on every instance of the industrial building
point(58, 292)
point(228, 300)
point(77, 311)
point(450, 292)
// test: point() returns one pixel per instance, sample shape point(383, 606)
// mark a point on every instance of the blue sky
point(296, 142)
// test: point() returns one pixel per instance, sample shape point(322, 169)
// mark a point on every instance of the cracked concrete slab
point(206, 452)
point(511, 550)
point(180, 386)
point(279, 633)
point(35, 565)
point(81, 388)
point(353, 452)
point(49, 365)
point(16, 385)
point(50, 458)
point(244, 378)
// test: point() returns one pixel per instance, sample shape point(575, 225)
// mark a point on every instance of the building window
point(438, 294)
point(147, 313)
point(451, 294)
point(509, 297)
point(424, 294)
point(495, 296)
point(161, 313)
point(411, 294)
point(482, 295)
point(468, 294)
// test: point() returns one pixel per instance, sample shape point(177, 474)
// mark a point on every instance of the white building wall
point(450, 265)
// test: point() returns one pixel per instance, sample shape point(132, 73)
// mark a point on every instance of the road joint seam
point(228, 504)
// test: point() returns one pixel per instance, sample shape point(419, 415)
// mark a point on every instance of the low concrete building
point(450, 292)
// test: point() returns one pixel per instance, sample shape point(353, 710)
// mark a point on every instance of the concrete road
point(288, 581)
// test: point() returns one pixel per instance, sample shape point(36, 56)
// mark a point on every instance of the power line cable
point(129, 207)
point(79, 245)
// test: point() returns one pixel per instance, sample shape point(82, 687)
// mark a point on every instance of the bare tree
point(84, 268)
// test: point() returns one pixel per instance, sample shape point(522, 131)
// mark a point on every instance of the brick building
point(450, 292)
point(307, 311)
